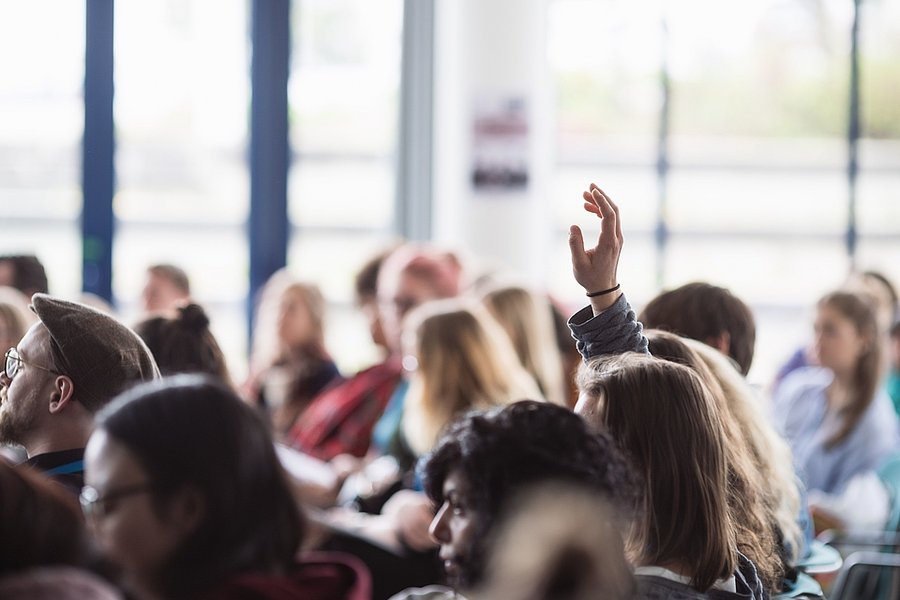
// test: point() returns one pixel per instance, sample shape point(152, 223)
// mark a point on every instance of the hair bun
point(193, 317)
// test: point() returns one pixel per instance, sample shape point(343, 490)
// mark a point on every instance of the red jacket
point(318, 576)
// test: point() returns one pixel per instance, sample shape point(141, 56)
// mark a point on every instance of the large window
point(41, 120)
point(181, 112)
point(343, 92)
point(878, 207)
point(721, 129)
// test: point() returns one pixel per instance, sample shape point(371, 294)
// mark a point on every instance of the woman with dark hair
point(486, 460)
point(182, 343)
point(837, 417)
point(46, 551)
point(186, 494)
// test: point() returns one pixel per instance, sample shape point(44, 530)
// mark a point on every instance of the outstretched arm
point(595, 268)
point(609, 325)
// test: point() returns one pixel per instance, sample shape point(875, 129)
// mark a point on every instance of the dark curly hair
point(503, 452)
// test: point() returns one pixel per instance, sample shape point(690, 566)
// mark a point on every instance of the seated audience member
point(412, 275)
point(340, 419)
point(13, 325)
point(664, 418)
point(837, 417)
point(46, 551)
point(165, 288)
point(764, 492)
point(527, 319)
point(66, 368)
point(23, 272)
point(485, 461)
point(868, 283)
point(290, 363)
point(559, 542)
point(459, 359)
point(671, 427)
point(181, 342)
point(709, 314)
point(186, 494)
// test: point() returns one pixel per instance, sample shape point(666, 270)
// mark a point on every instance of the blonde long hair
point(465, 361)
point(769, 451)
point(751, 501)
point(268, 349)
point(528, 321)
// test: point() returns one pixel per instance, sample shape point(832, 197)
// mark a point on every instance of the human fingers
point(590, 205)
point(615, 209)
point(605, 205)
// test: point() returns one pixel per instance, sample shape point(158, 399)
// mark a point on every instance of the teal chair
point(821, 559)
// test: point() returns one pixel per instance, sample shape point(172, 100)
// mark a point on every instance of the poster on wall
point(500, 144)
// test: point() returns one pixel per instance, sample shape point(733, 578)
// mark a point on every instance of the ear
point(187, 509)
point(63, 393)
point(721, 342)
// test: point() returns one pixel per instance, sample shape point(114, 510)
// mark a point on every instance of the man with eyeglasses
point(68, 365)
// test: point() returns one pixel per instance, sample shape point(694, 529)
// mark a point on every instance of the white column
point(487, 51)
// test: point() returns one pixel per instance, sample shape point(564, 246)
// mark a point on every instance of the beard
point(470, 565)
point(14, 424)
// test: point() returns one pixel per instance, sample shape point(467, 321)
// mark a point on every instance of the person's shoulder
point(882, 416)
point(60, 582)
point(431, 592)
point(805, 380)
point(651, 587)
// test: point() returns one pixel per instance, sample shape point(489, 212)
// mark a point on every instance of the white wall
point(487, 50)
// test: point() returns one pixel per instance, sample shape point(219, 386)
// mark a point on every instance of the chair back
point(868, 575)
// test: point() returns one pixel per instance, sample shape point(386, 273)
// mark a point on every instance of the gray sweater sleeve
point(614, 331)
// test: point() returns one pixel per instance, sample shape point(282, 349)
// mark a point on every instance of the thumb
point(576, 242)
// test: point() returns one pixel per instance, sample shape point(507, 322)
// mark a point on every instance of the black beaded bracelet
point(603, 292)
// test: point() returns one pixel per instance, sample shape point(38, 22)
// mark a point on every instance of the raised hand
point(595, 269)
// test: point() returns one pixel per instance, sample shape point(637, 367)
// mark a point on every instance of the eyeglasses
point(96, 506)
point(14, 364)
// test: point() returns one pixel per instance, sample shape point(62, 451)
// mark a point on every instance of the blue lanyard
point(67, 469)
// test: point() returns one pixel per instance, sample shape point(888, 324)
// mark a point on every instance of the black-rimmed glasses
point(96, 506)
point(14, 364)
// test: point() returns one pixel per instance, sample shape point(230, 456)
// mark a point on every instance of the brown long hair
point(665, 418)
point(859, 311)
point(762, 491)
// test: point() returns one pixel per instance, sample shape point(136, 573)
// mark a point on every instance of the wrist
point(603, 291)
